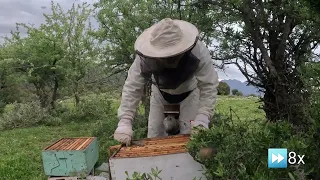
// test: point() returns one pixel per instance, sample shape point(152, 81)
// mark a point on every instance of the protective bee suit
point(180, 67)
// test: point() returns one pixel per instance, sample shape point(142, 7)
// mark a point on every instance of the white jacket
point(205, 79)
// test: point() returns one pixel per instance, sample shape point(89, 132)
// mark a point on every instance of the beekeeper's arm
point(131, 95)
point(207, 83)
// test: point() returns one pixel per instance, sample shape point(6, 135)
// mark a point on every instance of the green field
point(21, 148)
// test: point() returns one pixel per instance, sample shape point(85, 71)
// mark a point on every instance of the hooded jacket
point(205, 79)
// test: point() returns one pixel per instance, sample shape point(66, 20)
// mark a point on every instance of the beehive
point(70, 156)
point(168, 154)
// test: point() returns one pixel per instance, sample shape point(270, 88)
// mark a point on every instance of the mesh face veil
point(157, 65)
point(170, 72)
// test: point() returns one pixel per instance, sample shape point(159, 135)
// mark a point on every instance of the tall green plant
point(56, 54)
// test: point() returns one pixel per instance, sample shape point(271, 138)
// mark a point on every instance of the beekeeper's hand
point(200, 122)
point(124, 132)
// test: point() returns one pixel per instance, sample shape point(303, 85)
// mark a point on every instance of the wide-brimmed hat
point(166, 38)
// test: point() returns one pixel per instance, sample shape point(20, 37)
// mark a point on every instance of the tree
point(79, 44)
point(55, 54)
point(270, 46)
point(38, 57)
point(236, 92)
point(314, 5)
point(10, 80)
point(223, 88)
point(121, 21)
point(239, 93)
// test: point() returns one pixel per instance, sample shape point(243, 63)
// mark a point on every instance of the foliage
point(242, 149)
point(10, 80)
point(55, 67)
point(223, 88)
point(312, 77)
point(22, 115)
point(79, 43)
point(121, 21)
point(236, 92)
point(314, 5)
point(154, 175)
point(55, 54)
point(269, 42)
point(92, 107)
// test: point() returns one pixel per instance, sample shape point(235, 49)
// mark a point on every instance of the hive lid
point(152, 147)
point(69, 144)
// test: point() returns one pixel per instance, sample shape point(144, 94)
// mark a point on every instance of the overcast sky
point(31, 11)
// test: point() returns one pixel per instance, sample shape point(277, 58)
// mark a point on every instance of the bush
point(153, 175)
point(51, 121)
point(223, 88)
point(22, 115)
point(103, 130)
point(242, 149)
point(140, 125)
point(91, 107)
point(236, 92)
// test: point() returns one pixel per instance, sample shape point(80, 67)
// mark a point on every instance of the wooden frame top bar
point(152, 147)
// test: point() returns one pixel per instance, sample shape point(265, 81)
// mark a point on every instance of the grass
point(246, 108)
point(21, 148)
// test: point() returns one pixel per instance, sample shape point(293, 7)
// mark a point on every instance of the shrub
point(223, 88)
point(103, 130)
point(242, 149)
point(22, 115)
point(154, 175)
point(91, 108)
point(51, 121)
point(140, 125)
point(236, 92)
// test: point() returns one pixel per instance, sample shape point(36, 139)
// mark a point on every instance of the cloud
point(31, 12)
point(28, 11)
point(231, 72)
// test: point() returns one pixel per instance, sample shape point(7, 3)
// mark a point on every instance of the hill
point(242, 86)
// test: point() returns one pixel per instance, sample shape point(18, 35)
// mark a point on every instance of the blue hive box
point(70, 156)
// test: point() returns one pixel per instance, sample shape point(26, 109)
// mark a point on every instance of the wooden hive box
point(167, 154)
point(70, 156)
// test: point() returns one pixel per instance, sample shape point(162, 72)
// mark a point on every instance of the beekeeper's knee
point(188, 111)
point(156, 115)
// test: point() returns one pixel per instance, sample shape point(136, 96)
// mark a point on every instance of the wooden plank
point(53, 145)
point(82, 144)
point(72, 146)
point(87, 144)
point(154, 147)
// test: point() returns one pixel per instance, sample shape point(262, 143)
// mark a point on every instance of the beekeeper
point(182, 72)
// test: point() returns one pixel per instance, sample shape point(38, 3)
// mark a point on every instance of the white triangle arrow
point(275, 158)
point(280, 158)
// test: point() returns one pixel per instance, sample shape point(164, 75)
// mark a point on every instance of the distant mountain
point(241, 86)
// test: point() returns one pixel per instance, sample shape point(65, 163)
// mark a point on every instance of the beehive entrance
point(152, 147)
point(71, 144)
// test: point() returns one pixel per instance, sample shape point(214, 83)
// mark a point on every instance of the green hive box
point(70, 156)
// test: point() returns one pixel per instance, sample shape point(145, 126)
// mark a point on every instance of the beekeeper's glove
point(200, 122)
point(124, 132)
